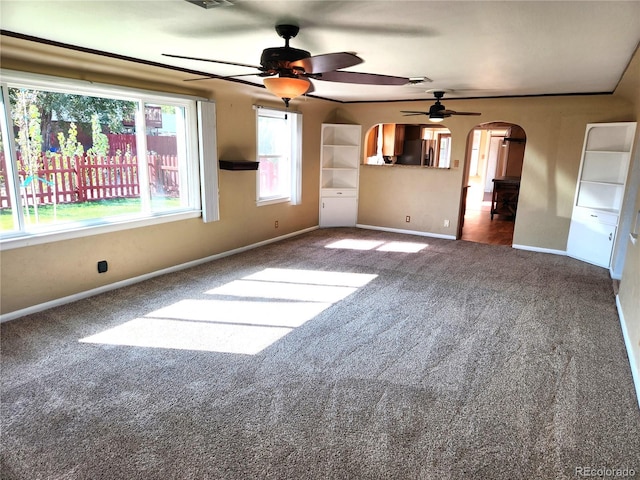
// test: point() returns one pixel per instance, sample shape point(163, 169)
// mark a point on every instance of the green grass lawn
point(73, 212)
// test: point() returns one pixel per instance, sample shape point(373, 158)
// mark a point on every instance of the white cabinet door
point(591, 242)
point(338, 212)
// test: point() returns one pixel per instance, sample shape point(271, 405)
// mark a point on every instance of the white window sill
point(271, 201)
point(78, 230)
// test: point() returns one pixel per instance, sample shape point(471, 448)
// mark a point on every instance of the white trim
point(208, 155)
point(131, 281)
point(54, 83)
point(296, 160)
point(634, 362)
point(294, 153)
point(272, 201)
point(12, 179)
point(613, 275)
point(275, 109)
point(406, 232)
point(77, 230)
point(540, 249)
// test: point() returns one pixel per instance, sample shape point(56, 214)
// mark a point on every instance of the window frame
point(195, 185)
point(294, 196)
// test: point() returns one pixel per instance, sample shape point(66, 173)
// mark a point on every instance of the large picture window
point(279, 154)
point(75, 156)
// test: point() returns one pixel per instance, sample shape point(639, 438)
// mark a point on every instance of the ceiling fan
point(289, 70)
point(437, 112)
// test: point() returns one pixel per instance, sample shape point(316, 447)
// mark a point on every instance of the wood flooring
point(478, 226)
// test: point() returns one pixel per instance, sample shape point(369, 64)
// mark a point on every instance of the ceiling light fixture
point(211, 3)
point(287, 87)
point(419, 80)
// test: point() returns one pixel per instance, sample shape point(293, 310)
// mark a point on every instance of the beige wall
point(629, 294)
point(554, 127)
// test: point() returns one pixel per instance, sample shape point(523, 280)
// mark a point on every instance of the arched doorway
point(493, 166)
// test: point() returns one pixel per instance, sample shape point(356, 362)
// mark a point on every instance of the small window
point(279, 153)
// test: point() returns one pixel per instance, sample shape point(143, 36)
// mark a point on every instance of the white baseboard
point(130, 281)
point(406, 232)
point(634, 356)
point(539, 249)
point(614, 275)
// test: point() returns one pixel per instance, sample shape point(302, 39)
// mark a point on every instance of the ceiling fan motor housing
point(436, 108)
point(279, 58)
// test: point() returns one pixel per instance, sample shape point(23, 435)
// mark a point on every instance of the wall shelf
point(238, 165)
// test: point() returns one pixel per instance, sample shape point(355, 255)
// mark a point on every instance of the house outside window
point(279, 156)
point(74, 156)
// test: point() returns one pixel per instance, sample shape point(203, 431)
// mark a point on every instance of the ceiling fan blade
point(209, 77)
point(412, 112)
point(327, 62)
point(451, 112)
point(362, 78)
point(213, 61)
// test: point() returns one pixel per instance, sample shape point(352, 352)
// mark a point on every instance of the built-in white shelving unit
point(600, 190)
point(339, 173)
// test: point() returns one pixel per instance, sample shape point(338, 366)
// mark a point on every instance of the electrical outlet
point(446, 223)
point(407, 219)
point(102, 266)
point(276, 224)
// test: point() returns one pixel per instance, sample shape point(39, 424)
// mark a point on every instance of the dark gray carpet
point(458, 361)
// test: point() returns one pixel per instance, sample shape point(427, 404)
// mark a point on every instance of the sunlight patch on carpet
point(350, 244)
point(185, 335)
point(285, 291)
point(401, 247)
point(263, 308)
point(312, 277)
point(257, 313)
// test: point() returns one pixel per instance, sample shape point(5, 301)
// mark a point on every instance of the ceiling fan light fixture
point(436, 118)
point(287, 87)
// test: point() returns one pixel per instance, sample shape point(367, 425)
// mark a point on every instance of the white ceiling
point(473, 48)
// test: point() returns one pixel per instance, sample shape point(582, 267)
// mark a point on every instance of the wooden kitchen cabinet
point(392, 139)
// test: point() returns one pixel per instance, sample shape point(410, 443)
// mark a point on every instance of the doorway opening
point(493, 167)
